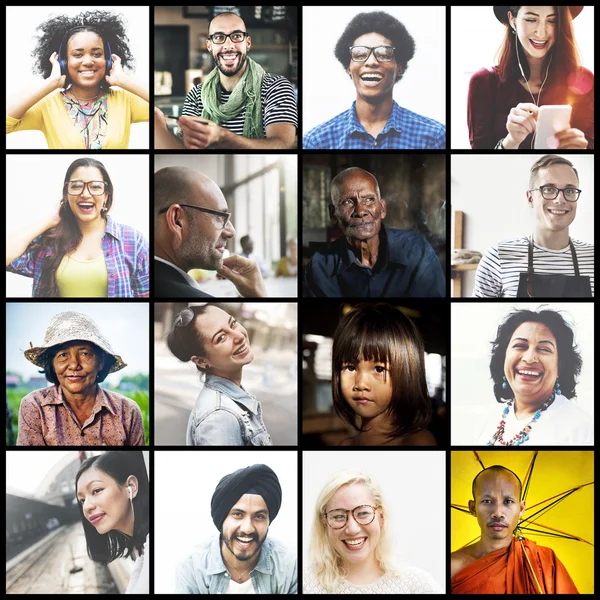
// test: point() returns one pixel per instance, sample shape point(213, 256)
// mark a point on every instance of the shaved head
point(227, 19)
point(338, 181)
point(495, 470)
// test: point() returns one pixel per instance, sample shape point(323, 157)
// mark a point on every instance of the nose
point(497, 513)
point(371, 60)
point(86, 190)
point(229, 230)
point(360, 380)
point(352, 527)
point(359, 209)
point(88, 506)
point(74, 362)
point(247, 526)
point(530, 355)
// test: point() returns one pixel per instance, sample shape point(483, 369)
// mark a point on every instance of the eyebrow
point(81, 49)
point(492, 497)
point(220, 330)
point(540, 342)
point(90, 483)
point(537, 15)
point(258, 512)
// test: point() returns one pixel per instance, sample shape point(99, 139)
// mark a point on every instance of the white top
point(563, 423)
point(240, 588)
point(497, 275)
point(410, 580)
point(140, 576)
point(187, 276)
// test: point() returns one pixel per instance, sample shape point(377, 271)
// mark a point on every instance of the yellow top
point(285, 268)
point(82, 279)
point(50, 116)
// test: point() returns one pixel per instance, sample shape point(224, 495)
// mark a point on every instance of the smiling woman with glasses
point(350, 549)
point(77, 250)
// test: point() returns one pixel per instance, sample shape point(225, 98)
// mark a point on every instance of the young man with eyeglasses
point(548, 263)
point(374, 50)
point(191, 230)
point(238, 105)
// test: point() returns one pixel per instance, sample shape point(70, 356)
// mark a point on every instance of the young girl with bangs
point(379, 385)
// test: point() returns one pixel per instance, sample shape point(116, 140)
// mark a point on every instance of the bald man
point(370, 260)
point(191, 230)
point(501, 562)
point(238, 105)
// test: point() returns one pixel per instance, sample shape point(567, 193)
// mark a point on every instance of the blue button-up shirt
point(404, 130)
point(406, 266)
point(204, 572)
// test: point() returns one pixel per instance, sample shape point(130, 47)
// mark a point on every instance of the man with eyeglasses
point(548, 263)
point(238, 105)
point(191, 230)
point(374, 50)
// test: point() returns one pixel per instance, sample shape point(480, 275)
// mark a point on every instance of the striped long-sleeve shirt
point(497, 275)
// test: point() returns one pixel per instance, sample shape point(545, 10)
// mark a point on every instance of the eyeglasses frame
point(372, 51)
point(347, 511)
point(220, 213)
point(227, 35)
point(557, 193)
point(86, 184)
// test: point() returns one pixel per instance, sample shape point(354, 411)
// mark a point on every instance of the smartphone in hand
point(551, 119)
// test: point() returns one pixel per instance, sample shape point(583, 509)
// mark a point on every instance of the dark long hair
point(381, 333)
point(104, 548)
point(566, 62)
point(66, 236)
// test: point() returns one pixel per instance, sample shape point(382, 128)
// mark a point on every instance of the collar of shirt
point(187, 277)
point(113, 229)
point(395, 120)
point(231, 390)
point(102, 400)
point(216, 564)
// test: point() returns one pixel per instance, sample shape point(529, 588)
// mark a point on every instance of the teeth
point(371, 77)
point(354, 542)
point(244, 540)
point(556, 211)
point(534, 373)
point(240, 350)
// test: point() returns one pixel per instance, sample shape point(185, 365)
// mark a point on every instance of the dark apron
point(532, 285)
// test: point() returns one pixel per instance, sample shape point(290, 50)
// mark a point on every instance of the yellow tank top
point(77, 279)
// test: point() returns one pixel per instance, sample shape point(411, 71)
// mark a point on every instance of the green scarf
point(246, 94)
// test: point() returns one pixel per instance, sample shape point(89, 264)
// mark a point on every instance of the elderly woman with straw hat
point(75, 411)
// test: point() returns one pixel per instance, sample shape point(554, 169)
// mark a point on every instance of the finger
point(528, 106)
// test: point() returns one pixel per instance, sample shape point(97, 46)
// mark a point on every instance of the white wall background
point(34, 183)
point(187, 481)
point(495, 203)
point(475, 37)
point(21, 23)
point(474, 326)
point(211, 166)
point(413, 485)
point(326, 88)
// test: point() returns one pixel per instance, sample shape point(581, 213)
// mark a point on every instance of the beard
point(230, 71)
point(200, 253)
point(228, 542)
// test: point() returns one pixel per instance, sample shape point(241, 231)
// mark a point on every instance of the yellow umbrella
point(558, 489)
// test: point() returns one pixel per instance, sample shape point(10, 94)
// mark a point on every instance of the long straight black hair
point(104, 548)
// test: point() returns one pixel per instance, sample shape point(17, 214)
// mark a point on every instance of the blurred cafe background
point(321, 426)
point(181, 59)
point(261, 193)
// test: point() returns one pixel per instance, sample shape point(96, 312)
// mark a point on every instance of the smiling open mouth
point(538, 45)
point(371, 77)
point(529, 374)
point(242, 350)
point(356, 544)
point(558, 211)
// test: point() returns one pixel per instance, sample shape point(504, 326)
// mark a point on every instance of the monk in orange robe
point(500, 562)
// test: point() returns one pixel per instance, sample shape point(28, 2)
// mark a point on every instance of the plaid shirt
point(127, 261)
point(405, 130)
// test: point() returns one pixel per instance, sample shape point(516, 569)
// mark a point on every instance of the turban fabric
point(256, 479)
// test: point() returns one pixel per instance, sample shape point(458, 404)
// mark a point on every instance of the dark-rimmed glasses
point(235, 36)
point(338, 517)
point(362, 53)
point(550, 192)
point(184, 318)
point(223, 216)
point(75, 187)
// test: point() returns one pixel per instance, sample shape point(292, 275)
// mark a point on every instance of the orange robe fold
point(506, 571)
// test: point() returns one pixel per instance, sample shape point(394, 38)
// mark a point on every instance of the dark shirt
point(169, 283)
point(490, 102)
point(406, 266)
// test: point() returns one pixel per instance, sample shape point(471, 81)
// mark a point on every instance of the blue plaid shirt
point(405, 130)
point(125, 253)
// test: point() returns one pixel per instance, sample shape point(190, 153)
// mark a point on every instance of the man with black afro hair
point(374, 49)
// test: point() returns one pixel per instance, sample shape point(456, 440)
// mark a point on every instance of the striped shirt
point(404, 130)
point(278, 104)
point(497, 275)
point(126, 254)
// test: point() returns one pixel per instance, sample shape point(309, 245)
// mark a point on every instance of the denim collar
point(216, 564)
point(394, 121)
point(231, 390)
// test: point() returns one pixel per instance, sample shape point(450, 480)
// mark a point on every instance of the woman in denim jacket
point(225, 414)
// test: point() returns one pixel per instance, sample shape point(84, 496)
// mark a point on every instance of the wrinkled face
point(230, 56)
point(246, 527)
point(354, 542)
point(104, 502)
point(531, 362)
point(496, 505)
point(372, 79)
point(554, 215)
point(87, 207)
point(535, 27)
point(358, 207)
point(366, 387)
point(76, 365)
point(85, 60)
point(226, 344)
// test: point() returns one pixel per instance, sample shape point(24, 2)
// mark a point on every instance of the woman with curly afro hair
point(77, 105)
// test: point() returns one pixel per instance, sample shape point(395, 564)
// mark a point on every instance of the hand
point(116, 75)
point(159, 119)
point(244, 274)
point(571, 139)
point(55, 76)
point(522, 120)
point(199, 133)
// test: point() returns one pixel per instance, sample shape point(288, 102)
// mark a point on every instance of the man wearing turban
point(241, 560)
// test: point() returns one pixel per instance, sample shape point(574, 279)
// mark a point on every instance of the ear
point(399, 71)
point(348, 71)
point(201, 362)
point(248, 42)
point(472, 508)
point(383, 208)
point(522, 506)
point(530, 198)
point(133, 482)
point(511, 20)
point(331, 208)
point(208, 45)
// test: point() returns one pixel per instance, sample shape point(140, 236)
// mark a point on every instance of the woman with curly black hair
point(83, 57)
point(534, 366)
point(374, 50)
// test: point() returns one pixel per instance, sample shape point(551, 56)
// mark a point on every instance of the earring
point(504, 382)
point(557, 387)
